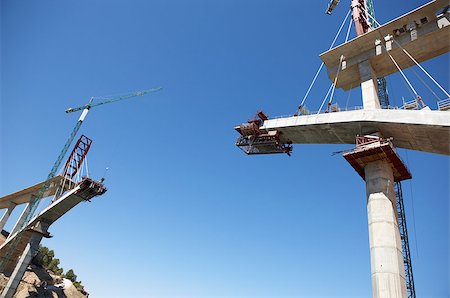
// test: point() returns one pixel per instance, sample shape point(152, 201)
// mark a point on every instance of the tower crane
point(31, 207)
point(69, 141)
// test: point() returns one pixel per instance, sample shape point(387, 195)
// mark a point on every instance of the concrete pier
point(19, 248)
point(386, 258)
point(25, 259)
point(369, 86)
point(377, 162)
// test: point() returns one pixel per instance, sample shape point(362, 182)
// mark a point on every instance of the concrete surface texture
point(388, 276)
point(421, 130)
point(423, 32)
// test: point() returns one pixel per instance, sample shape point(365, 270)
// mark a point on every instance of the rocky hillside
point(39, 282)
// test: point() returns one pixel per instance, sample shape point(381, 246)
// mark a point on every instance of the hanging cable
point(392, 59)
point(348, 30)
point(426, 85)
point(348, 97)
point(403, 75)
point(86, 166)
point(420, 66)
point(412, 205)
point(335, 79)
point(325, 99)
point(322, 64)
point(409, 90)
point(412, 58)
point(340, 66)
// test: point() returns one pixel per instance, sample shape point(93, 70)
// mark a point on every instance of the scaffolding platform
point(369, 149)
point(256, 140)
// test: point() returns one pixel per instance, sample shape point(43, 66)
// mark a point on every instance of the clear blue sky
point(187, 214)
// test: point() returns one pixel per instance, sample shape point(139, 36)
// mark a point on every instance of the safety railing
point(444, 105)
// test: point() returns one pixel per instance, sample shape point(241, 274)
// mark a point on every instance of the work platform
point(421, 130)
point(84, 191)
point(369, 149)
point(423, 32)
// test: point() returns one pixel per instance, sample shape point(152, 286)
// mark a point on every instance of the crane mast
point(57, 164)
point(32, 205)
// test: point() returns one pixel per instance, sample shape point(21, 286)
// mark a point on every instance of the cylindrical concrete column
point(386, 258)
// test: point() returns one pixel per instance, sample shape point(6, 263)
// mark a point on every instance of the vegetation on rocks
point(45, 258)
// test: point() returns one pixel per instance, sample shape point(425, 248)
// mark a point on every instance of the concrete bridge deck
point(422, 130)
point(14, 245)
point(25, 195)
point(423, 32)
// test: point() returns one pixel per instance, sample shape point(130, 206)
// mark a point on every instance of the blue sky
point(187, 214)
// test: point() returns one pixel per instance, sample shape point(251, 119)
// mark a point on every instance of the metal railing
point(444, 105)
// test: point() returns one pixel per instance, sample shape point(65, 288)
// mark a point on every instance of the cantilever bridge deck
point(422, 130)
point(85, 190)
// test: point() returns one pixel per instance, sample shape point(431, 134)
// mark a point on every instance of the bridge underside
point(421, 130)
point(13, 247)
point(423, 32)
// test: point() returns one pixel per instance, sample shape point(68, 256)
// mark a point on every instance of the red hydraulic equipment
point(256, 140)
point(360, 16)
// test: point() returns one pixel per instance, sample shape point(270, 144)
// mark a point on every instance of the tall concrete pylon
point(423, 34)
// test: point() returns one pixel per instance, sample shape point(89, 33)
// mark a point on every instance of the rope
point(414, 60)
point(321, 65)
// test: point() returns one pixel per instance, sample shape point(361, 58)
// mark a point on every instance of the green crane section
point(33, 204)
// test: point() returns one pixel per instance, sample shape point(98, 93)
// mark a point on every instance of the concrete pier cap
point(378, 163)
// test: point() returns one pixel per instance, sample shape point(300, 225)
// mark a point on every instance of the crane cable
point(34, 202)
point(426, 85)
point(322, 64)
point(333, 85)
point(412, 58)
point(326, 96)
point(340, 62)
point(395, 62)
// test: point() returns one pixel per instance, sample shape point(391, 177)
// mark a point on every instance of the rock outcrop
point(40, 283)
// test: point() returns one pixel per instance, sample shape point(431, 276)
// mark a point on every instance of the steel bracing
point(405, 243)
